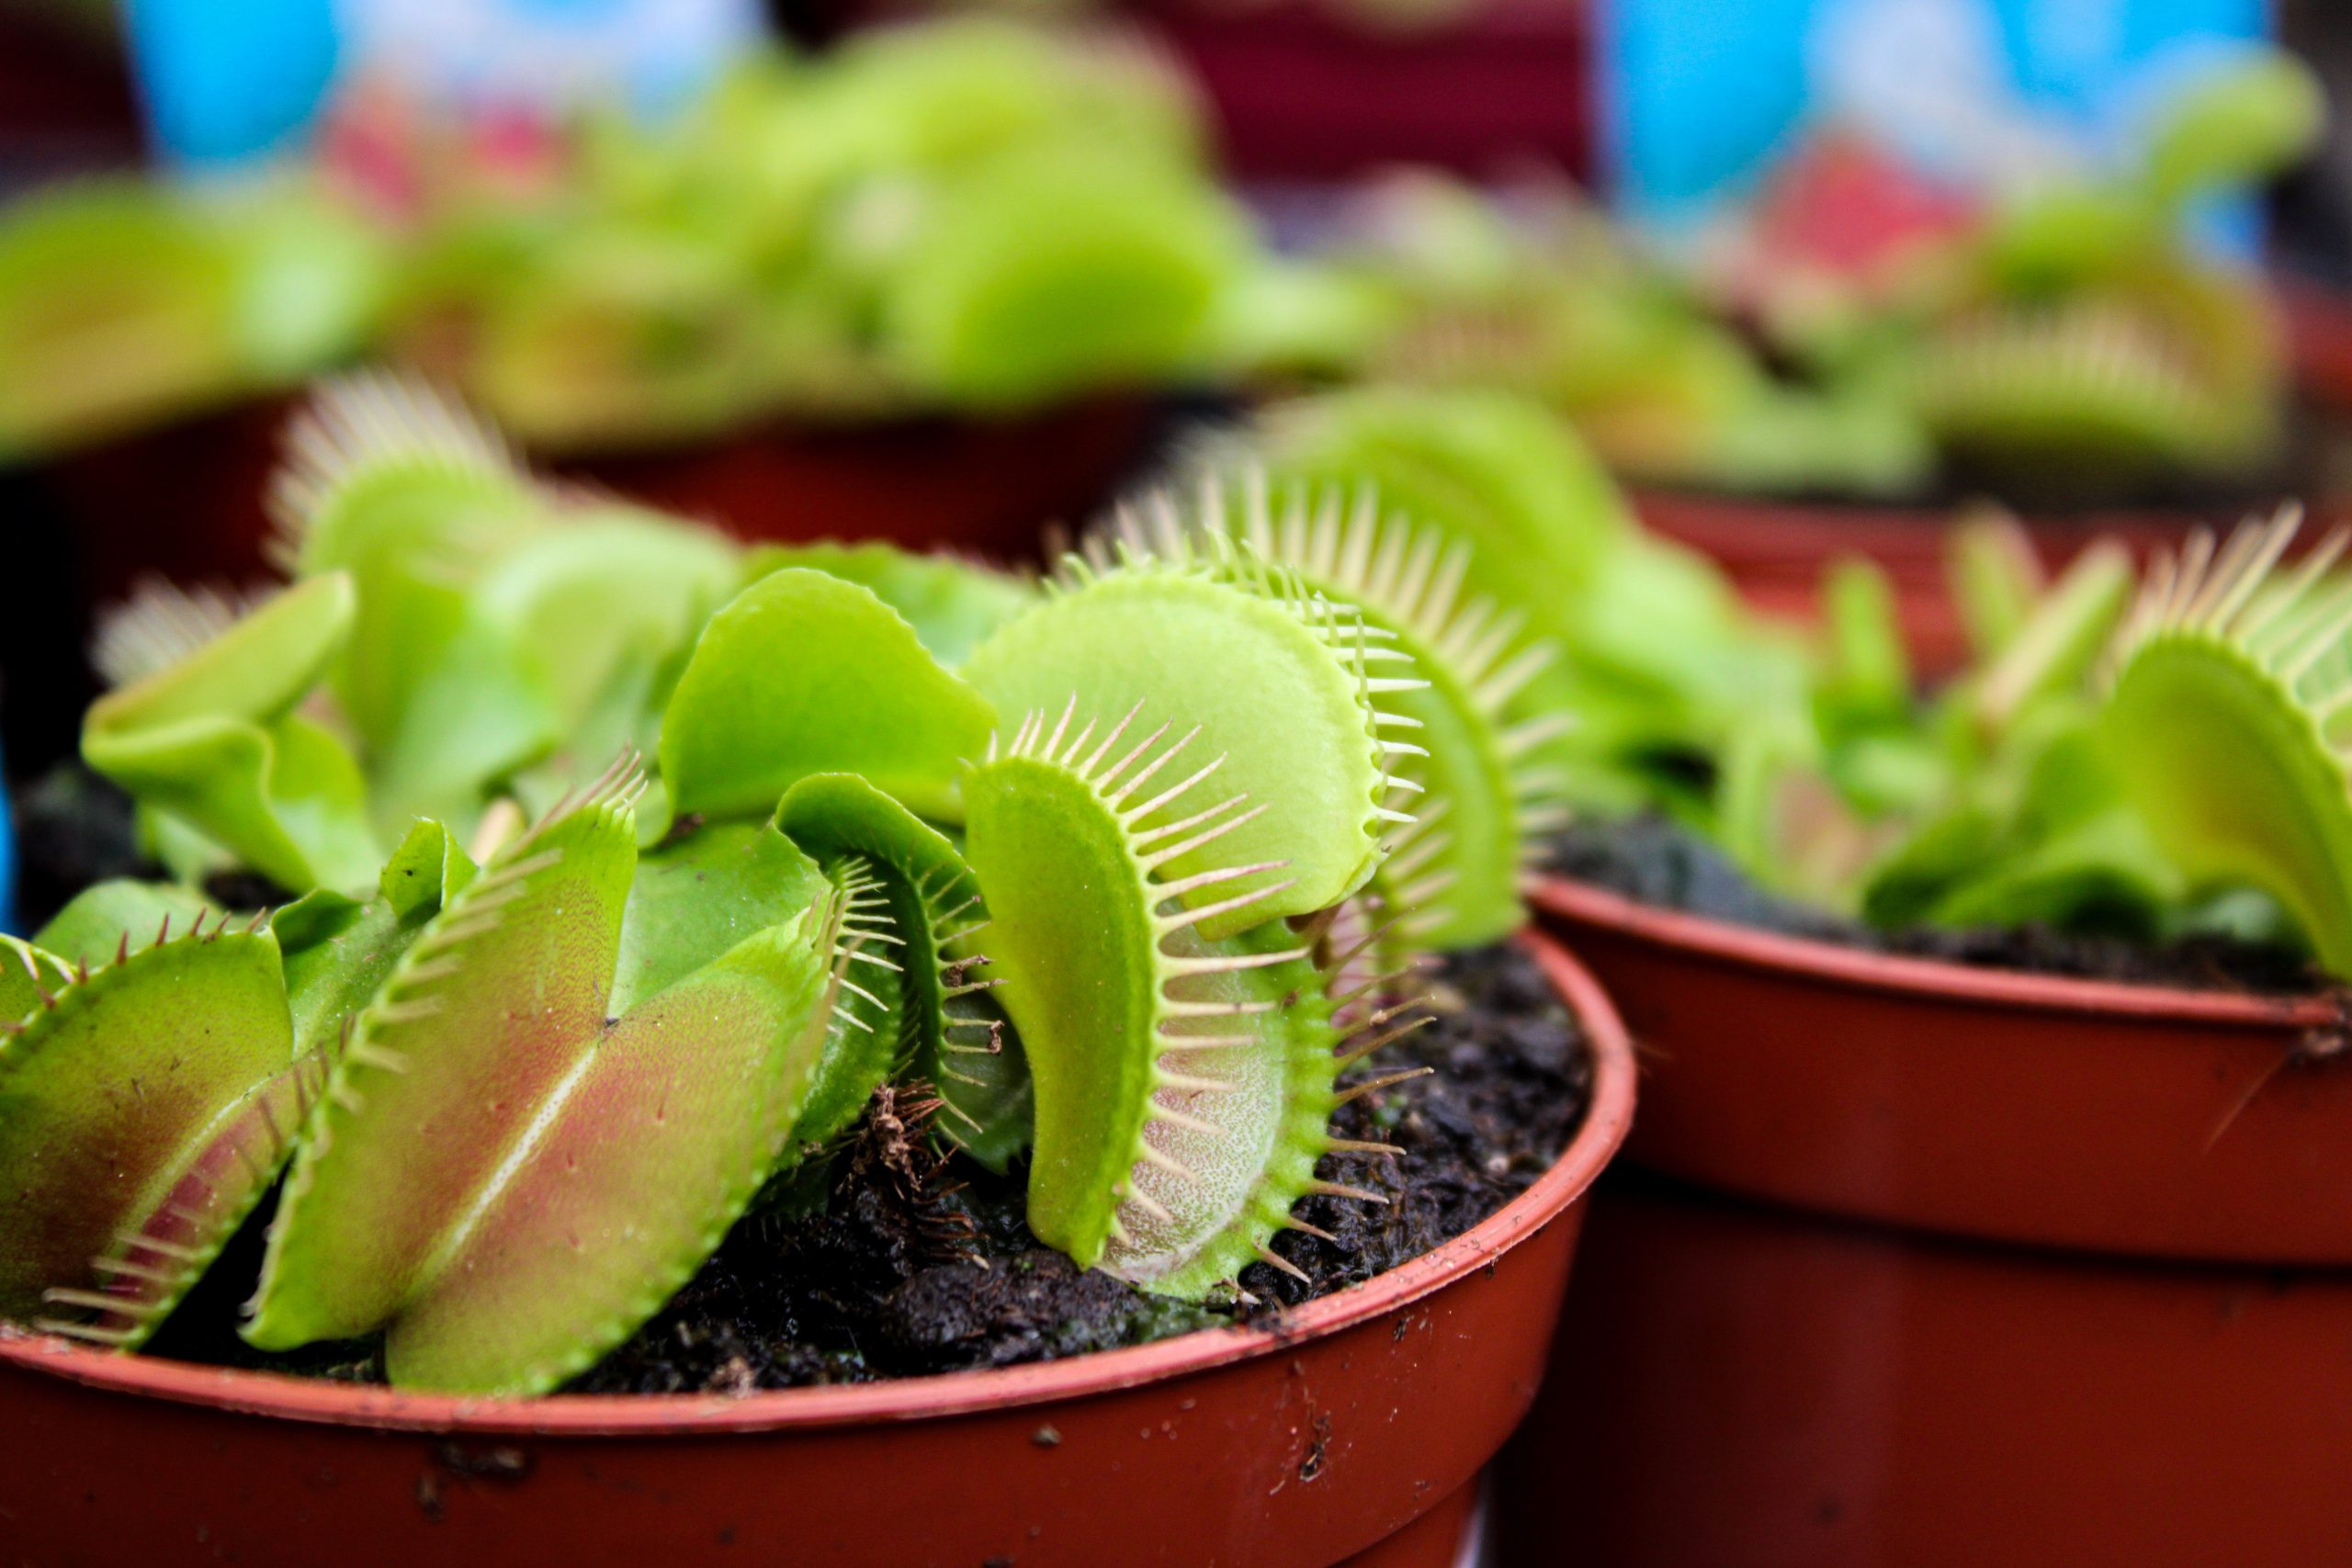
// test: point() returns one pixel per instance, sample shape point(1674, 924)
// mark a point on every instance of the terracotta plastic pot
point(1356, 1426)
point(2025, 1108)
point(988, 486)
point(2122, 1361)
point(1775, 550)
point(1777, 1390)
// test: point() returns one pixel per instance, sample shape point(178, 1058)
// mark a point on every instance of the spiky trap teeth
point(150, 1102)
point(2088, 379)
point(1183, 1083)
point(1481, 793)
point(2230, 679)
point(1287, 688)
point(510, 1191)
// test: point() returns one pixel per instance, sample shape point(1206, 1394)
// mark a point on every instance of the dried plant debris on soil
point(1656, 861)
point(887, 1259)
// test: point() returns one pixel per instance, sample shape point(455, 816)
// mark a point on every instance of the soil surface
point(1656, 861)
point(890, 1261)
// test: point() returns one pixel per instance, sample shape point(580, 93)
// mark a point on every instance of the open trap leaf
point(2229, 675)
point(115, 310)
point(2125, 385)
point(1282, 692)
point(805, 673)
point(145, 1107)
point(1060, 266)
point(1184, 1085)
point(950, 1034)
point(213, 740)
point(1481, 792)
point(511, 1191)
point(409, 495)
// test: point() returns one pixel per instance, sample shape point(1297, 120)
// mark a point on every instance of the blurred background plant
point(641, 233)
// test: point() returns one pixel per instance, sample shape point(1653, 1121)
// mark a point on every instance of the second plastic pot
point(1957, 1266)
point(1775, 551)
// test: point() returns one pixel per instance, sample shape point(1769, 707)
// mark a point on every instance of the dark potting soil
point(1657, 862)
point(912, 1263)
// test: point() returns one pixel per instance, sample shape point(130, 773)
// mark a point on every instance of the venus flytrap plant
point(2078, 325)
point(1990, 806)
point(2142, 762)
point(1183, 1084)
point(528, 1079)
point(511, 1192)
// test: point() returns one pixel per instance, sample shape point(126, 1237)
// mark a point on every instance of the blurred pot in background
point(1865, 348)
point(936, 287)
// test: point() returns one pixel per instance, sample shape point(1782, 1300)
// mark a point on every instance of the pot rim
point(1607, 1118)
point(1859, 969)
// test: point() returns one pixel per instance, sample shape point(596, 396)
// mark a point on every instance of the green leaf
point(1056, 267)
point(703, 895)
point(611, 594)
point(142, 1111)
point(1868, 674)
point(951, 604)
point(213, 740)
point(101, 919)
point(805, 673)
point(950, 1034)
point(1182, 1086)
point(512, 1189)
point(1273, 677)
